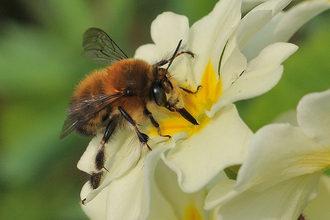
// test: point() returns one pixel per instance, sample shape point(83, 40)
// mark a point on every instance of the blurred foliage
point(40, 47)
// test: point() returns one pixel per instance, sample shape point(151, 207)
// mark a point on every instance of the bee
point(121, 94)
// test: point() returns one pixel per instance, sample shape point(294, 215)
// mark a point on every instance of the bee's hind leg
point(142, 137)
point(100, 155)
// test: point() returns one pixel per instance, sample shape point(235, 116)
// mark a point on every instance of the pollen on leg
point(96, 179)
point(99, 158)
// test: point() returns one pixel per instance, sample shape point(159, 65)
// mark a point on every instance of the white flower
point(282, 27)
point(281, 172)
point(319, 207)
point(195, 153)
point(220, 141)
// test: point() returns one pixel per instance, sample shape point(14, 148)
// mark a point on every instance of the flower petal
point(216, 195)
point(277, 153)
point(296, 17)
point(247, 5)
point(154, 198)
point(209, 35)
point(128, 191)
point(284, 25)
point(167, 182)
point(221, 143)
point(166, 31)
point(161, 208)
point(319, 208)
point(287, 117)
point(314, 116)
point(261, 74)
point(285, 200)
point(233, 61)
point(95, 209)
point(122, 154)
point(122, 141)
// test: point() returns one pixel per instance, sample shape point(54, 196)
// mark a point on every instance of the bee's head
point(165, 90)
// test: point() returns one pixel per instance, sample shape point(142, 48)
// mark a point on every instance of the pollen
point(195, 104)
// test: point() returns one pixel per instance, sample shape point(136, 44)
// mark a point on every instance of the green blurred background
point(40, 63)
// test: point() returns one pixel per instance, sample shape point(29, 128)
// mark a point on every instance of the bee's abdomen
point(96, 124)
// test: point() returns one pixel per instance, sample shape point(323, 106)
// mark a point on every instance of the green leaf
point(232, 171)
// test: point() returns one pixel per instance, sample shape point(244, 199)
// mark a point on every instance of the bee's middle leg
point(142, 136)
point(154, 122)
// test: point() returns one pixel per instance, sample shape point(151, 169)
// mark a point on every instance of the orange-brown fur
point(131, 74)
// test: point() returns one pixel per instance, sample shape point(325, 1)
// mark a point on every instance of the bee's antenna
point(174, 55)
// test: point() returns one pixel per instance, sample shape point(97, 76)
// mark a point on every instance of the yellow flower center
point(192, 213)
point(195, 104)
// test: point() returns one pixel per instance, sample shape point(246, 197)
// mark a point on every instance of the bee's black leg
point(154, 122)
point(100, 155)
point(191, 92)
point(183, 112)
point(142, 137)
point(111, 127)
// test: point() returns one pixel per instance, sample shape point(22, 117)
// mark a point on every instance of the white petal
point(96, 209)
point(126, 184)
point(319, 208)
point(274, 5)
point(233, 61)
point(287, 117)
point(284, 25)
point(314, 116)
point(122, 154)
point(166, 31)
point(247, 5)
point(168, 185)
point(296, 17)
point(126, 197)
point(148, 53)
point(277, 153)
point(181, 70)
point(209, 35)
point(119, 141)
point(87, 160)
point(216, 195)
point(161, 208)
point(221, 143)
point(262, 38)
point(261, 74)
point(285, 200)
point(153, 195)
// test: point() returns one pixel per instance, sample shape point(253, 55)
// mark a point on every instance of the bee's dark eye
point(158, 94)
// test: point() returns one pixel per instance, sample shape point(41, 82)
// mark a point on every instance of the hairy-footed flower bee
point(120, 94)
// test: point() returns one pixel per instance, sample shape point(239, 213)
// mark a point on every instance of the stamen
point(195, 103)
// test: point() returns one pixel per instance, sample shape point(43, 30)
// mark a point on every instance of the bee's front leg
point(191, 92)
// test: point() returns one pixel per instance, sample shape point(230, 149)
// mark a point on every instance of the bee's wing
point(82, 110)
point(100, 48)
